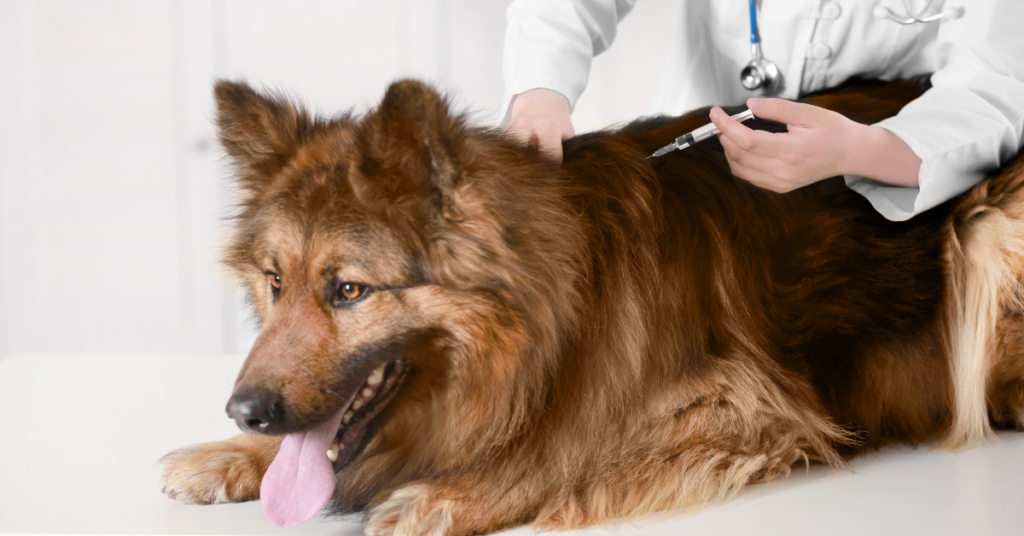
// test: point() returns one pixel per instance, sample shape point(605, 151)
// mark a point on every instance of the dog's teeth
point(347, 417)
point(367, 393)
point(357, 404)
point(333, 453)
point(376, 376)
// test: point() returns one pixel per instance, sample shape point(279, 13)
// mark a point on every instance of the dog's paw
point(416, 509)
point(215, 472)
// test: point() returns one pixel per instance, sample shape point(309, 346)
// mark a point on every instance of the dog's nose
point(254, 412)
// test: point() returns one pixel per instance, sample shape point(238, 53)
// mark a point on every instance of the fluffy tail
point(985, 259)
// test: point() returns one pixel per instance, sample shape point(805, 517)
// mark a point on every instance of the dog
point(460, 336)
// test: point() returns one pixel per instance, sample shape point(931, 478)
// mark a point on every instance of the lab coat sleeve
point(969, 122)
point(550, 44)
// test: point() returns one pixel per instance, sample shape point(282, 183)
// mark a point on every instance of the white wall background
point(113, 193)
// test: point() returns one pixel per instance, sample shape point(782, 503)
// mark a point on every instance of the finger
point(784, 111)
point(551, 147)
point(763, 172)
point(548, 137)
point(759, 178)
point(543, 135)
point(517, 132)
point(735, 153)
point(755, 141)
point(754, 176)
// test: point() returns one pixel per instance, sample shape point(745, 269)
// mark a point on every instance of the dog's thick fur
point(605, 338)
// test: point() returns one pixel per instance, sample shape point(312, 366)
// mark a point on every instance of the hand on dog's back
point(540, 117)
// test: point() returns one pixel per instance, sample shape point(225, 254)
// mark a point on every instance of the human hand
point(540, 117)
point(820, 144)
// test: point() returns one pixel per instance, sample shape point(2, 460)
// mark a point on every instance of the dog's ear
point(260, 132)
point(406, 152)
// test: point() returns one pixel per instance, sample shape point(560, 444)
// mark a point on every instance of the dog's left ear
point(406, 151)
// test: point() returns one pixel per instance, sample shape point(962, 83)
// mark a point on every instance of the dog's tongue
point(301, 479)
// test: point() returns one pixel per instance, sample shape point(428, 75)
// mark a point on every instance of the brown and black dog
point(459, 336)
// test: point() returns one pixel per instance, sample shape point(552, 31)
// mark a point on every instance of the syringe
point(699, 135)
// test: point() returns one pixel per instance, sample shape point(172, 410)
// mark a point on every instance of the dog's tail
point(985, 262)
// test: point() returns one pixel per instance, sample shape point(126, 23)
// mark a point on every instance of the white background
point(113, 193)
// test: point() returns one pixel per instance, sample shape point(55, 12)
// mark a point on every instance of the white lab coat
point(962, 129)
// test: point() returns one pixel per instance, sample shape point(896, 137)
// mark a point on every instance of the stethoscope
point(762, 75)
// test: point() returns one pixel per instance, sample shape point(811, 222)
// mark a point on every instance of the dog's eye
point(352, 291)
point(349, 292)
point(275, 284)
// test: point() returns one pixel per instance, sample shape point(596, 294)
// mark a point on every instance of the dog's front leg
point(219, 471)
point(443, 509)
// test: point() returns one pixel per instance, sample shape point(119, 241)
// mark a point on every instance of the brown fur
point(602, 339)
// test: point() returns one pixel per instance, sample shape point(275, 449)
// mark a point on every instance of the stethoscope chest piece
point(760, 74)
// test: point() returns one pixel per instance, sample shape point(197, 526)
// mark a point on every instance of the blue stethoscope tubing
point(753, 23)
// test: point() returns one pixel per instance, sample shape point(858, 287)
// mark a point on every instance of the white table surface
point(80, 436)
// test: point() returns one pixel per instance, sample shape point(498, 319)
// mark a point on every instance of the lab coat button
point(831, 10)
point(819, 51)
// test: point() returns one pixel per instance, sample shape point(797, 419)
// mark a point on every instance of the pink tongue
point(301, 479)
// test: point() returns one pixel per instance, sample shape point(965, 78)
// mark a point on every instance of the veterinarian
point(969, 122)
